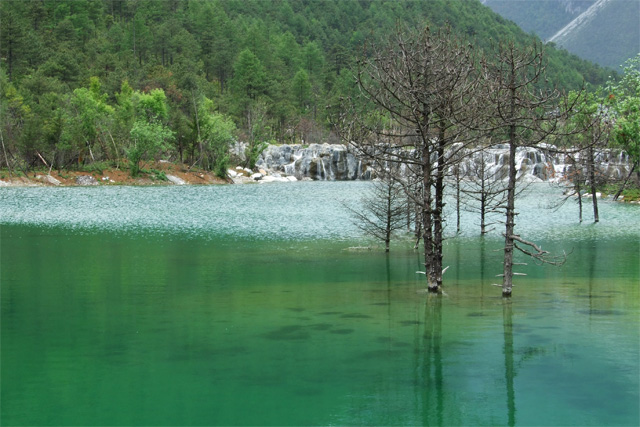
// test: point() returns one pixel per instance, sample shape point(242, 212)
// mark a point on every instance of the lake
point(252, 305)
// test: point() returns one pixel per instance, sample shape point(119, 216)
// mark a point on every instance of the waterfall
point(337, 163)
point(290, 169)
point(324, 171)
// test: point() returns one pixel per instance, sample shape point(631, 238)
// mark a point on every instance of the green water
point(244, 306)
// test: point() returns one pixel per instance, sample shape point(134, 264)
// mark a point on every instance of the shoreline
point(156, 173)
point(160, 173)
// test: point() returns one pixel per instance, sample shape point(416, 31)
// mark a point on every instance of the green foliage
point(585, 115)
point(628, 194)
point(149, 140)
point(301, 88)
point(624, 100)
point(14, 112)
point(152, 105)
point(82, 123)
point(84, 81)
point(217, 135)
point(249, 79)
point(124, 111)
point(253, 152)
point(159, 175)
point(95, 168)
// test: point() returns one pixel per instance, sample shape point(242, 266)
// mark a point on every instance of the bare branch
point(538, 253)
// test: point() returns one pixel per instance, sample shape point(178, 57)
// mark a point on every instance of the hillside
point(606, 32)
point(608, 36)
point(77, 75)
point(542, 17)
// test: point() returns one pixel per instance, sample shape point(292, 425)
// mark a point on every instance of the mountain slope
point(542, 17)
point(603, 31)
point(607, 33)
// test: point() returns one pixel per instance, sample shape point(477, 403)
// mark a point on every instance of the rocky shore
point(331, 162)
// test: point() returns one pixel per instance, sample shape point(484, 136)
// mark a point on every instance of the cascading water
point(290, 169)
point(335, 162)
point(323, 176)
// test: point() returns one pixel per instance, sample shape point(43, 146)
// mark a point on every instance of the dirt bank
point(158, 173)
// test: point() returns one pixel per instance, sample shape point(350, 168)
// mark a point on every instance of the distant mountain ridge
point(606, 32)
point(584, 17)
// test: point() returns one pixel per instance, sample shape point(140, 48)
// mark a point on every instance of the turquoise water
point(247, 305)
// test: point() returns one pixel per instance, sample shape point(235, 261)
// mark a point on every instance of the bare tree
point(524, 116)
point(573, 182)
point(417, 94)
point(594, 136)
point(383, 208)
point(484, 191)
point(458, 176)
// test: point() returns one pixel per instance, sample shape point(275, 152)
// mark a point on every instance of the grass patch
point(158, 175)
point(630, 192)
point(95, 168)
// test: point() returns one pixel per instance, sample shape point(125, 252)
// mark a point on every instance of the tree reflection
point(508, 360)
point(433, 388)
point(483, 259)
point(592, 259)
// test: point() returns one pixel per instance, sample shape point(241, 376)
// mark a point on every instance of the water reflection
point(457, 262)
point(509, 372)
point(483, 261)
point(432, 377)
point(591, 260)
point(299, 330)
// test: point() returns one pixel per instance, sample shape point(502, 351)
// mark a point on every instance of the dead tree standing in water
point(524, 116)
point(416, 95)
point(483, 191)
point(383, 208)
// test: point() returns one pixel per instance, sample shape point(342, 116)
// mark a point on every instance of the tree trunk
point(409, 210)
point(507, 277)
point(579, 190)
point(483, 208)
point(438, 212)
point(507, 283)
point(592, 182)
point(418, 227)
point(483, 196)
point(389, 218)
point(4, 151)
point(458, 199)
point(624, 184)
point(596, 217)
point(427, 221)
point(417, 218)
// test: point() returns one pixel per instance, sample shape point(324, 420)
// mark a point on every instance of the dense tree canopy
point(78, 76)
point(624, 100)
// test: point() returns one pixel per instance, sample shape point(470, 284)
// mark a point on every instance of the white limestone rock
point(176, 180)
point(85, 180)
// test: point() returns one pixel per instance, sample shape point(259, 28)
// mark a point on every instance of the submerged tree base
point(434, 289)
